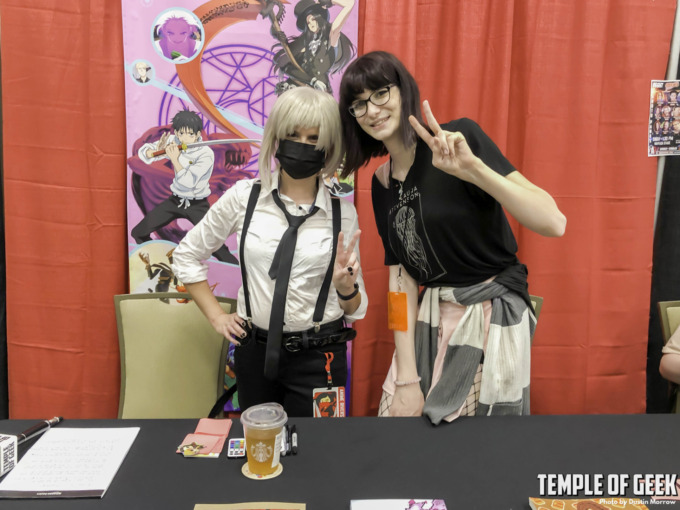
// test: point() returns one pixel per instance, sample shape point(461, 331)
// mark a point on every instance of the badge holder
point(329, 402)
point(397, 306)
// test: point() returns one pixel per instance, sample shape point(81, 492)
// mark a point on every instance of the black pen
point(293, 438)
point(289, 430)
point(37, 429)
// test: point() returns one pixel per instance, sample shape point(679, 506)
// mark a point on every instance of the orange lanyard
point(329, 360)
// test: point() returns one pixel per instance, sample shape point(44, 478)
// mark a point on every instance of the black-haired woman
point(439, 206)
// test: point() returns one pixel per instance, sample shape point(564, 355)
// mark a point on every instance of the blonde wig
point(302, 108)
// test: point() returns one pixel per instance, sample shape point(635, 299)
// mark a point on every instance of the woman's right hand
point(407, 401)
point(231, 326)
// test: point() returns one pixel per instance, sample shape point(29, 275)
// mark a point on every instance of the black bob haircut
point(186, 119)
point(370, 72)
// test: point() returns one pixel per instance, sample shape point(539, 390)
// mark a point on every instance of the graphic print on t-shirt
point(414, 246)
point(405, 226)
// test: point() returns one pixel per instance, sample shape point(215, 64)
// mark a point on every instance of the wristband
point(407, 383)
point(349, 296)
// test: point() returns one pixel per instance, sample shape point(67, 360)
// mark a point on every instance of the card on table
point(208, 439)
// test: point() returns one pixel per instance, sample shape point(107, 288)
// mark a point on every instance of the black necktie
point(280, 271)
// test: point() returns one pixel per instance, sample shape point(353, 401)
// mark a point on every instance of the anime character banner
point(201, 77)
point(664, 118)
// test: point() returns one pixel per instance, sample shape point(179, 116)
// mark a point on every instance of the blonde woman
point(290, 324)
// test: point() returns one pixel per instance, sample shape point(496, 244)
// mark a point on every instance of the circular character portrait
point(142, 72)
point(151, 268)
point(177, 35)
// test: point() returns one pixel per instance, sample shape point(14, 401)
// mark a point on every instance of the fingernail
point(243, 335)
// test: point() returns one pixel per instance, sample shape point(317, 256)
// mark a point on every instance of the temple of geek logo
point(613, 485)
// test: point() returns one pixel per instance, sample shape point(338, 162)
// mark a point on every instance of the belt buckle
point(290, 347)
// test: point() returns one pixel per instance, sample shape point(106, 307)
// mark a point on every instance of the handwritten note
point(70, 463)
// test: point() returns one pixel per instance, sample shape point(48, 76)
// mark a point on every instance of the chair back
point(537, 303)
point(172, 361)
point(669, 315)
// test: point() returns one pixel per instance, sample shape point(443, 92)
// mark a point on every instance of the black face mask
point(299, 160)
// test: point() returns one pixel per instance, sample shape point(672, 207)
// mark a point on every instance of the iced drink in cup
point(263, 430)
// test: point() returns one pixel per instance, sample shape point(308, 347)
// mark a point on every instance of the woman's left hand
point(530, 205)
point(450, 151)
point(346, 268)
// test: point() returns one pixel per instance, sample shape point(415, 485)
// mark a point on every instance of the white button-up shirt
point(311, 260)
point(193, 180)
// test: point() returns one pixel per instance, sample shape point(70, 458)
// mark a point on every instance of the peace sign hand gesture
point(346, 268)
point(450, 151)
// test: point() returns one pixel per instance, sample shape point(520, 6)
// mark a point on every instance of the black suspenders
point(325, 286)
point(252, 200)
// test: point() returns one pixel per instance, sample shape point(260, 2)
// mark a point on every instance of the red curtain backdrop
point(64, 150)
point(562, 87)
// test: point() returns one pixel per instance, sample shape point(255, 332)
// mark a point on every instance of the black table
point(487, 463)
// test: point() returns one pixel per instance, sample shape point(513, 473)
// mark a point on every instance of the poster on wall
point(201, 78)
point(664, 118)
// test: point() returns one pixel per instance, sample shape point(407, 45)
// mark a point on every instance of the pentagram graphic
point(241, 82)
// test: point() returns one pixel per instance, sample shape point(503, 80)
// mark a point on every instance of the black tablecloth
point(474, 463)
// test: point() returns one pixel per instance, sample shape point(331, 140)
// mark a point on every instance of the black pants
point(299, 373)
point(169, 210)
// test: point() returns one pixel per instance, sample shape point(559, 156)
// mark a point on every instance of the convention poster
point(201, 77)
point(664, 118)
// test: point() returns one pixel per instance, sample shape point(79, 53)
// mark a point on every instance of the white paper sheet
point(69, 463)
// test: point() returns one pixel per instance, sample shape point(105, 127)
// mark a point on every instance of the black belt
point(330, 333)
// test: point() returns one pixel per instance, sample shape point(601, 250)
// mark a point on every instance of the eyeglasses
point(378, 98)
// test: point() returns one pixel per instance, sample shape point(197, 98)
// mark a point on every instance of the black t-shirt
point(443, 230)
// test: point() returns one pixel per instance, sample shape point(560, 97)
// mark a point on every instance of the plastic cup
point(263, 430)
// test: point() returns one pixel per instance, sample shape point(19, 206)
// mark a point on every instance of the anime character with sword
point(192, 160)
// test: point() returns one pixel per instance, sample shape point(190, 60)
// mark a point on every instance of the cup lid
point(264, 416)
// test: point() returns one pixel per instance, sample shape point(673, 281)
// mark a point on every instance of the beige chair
point(538, 304)
point(172, 361)
point(669, 315)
